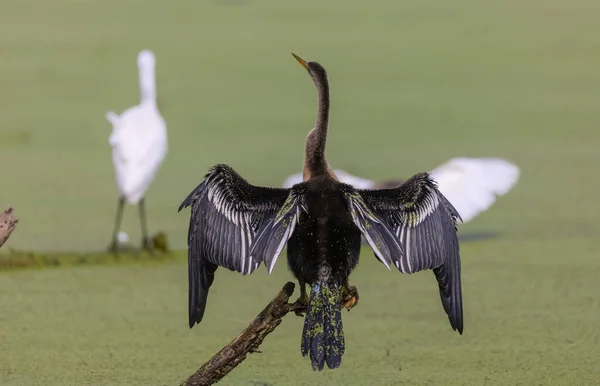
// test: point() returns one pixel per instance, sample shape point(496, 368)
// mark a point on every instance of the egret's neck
point(147, 84)
point(314, 158)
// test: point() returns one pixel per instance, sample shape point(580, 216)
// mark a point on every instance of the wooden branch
point(8, 223)
point(246, 342)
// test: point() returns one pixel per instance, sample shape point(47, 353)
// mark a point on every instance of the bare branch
point(246, 342)
point(8, 223)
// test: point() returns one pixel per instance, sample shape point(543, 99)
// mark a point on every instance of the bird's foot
point(112, 248)
point(349, 296)
point(299, 306)
point(147, 245)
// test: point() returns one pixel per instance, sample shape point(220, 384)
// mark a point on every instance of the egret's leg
point(113, 245)
point(146, 244)
point(349, 296)
point(299, 306)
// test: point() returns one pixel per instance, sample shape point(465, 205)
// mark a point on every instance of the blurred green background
point(414, 83)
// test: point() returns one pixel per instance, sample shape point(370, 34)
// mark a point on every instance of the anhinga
point(237, 225)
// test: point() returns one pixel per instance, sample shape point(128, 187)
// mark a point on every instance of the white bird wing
point(292, 180)
point(137, 133)
point(357, 182)
point(472, 184)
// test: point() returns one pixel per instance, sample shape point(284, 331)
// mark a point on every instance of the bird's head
point(315, 70)
point(146, 59)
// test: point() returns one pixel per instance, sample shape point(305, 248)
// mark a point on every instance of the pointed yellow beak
point(300, 60)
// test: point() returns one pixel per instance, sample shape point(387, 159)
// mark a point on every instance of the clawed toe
point(349, 297)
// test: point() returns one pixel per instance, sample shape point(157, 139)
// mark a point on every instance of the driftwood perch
point(8, 223)
point(246, 342)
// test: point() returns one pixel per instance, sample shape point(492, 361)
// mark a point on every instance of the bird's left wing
point(237, 225)
point(418, 218)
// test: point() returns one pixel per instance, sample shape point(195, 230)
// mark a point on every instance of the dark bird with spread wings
point(237, 225)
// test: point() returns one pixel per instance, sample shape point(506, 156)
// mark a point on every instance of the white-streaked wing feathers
point(237, 225)
point(422, 220)
point(423, 223)
point(377, 234)
point(274, 236)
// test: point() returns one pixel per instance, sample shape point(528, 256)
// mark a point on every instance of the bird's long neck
point(315, 163)
point(147, 84)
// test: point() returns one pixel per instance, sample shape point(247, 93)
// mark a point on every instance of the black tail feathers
point(323, 335)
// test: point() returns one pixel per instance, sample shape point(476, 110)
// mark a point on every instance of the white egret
point(470, 184)
point(139, 145)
